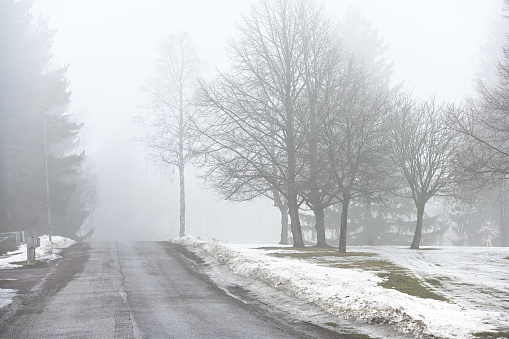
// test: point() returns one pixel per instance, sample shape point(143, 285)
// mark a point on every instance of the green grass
point(491, 335)
point(372, 265)
point(410, 285)
point(434, 282)
point(395, 277)
point(304, 249)
point(306, 254)
point(507, 258)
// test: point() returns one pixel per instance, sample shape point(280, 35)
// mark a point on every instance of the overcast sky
point(111, 47)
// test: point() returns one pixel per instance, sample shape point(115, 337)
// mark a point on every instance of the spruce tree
point(34, 121)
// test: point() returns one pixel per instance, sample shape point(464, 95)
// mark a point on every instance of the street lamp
point(47, 182)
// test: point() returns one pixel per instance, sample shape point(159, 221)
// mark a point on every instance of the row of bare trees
point(302, 119)
point(301, 116)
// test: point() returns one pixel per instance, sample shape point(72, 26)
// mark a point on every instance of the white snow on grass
point(475, 281)
point(46, 252)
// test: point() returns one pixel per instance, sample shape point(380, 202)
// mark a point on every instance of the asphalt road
point(134, 290)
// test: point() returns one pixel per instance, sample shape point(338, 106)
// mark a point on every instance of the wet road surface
point(133, 290)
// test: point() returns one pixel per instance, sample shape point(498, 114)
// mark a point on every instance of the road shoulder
point(36, 284)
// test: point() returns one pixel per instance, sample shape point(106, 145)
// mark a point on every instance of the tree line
point(44, 183)
point(305, 115)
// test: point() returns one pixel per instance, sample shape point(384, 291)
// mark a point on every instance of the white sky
point(111, 47)
point(435, 43)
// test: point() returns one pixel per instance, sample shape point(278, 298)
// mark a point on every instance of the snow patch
point(356, 295)
point(6, 296)
point(46, 252)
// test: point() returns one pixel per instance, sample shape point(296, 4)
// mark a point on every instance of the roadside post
point(32, 243)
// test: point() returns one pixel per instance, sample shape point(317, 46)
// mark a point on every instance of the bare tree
point(282, 205)
point(323, 61)
point(354, 139)
point(484, 121)
point(424, 149)
point(255, 123)
point(329, 63)
point(169, 128)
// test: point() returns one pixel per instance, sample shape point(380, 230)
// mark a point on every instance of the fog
point(111, 46)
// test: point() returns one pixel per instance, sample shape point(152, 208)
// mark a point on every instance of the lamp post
point(47, 182)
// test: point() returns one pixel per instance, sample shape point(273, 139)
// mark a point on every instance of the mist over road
point(137, 290)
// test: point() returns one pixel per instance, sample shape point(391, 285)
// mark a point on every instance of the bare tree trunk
point(316, 198)
point(182, 166)
point(283, 209)
point(293, 209)
point(418, 228)
point(170, 126)
point(291, 150)
point(284, 226)
point(503, 224)
point(369, 225)
point(343, 226)
point(182, 231)
point(293, 206)
point(320, 227)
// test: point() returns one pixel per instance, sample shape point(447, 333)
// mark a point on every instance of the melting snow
point(46, 252)
point(474, 280)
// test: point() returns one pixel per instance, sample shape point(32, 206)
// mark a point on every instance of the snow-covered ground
point(46, 252)
point(475, 282)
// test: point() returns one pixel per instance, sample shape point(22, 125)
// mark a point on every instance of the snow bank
point(356, 295)
point(46, 252)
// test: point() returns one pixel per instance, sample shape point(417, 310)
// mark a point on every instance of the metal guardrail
point(13, 239)
point(10, 240)
point(7, 235)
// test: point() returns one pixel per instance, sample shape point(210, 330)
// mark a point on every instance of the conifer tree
point(34, 121)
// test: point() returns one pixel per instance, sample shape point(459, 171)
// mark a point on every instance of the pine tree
point(34, 100)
